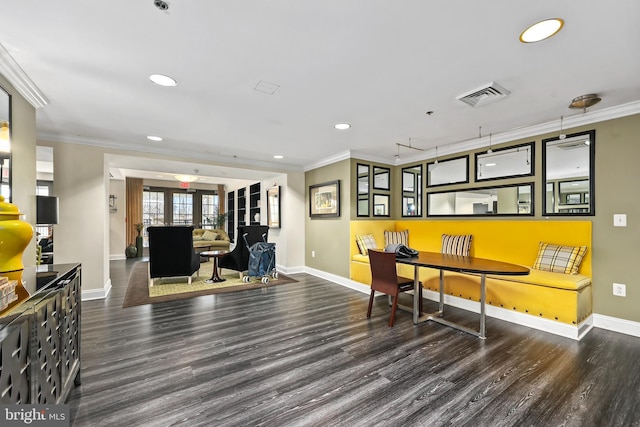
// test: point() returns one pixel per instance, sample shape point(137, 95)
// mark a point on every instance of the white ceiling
point(378, 65)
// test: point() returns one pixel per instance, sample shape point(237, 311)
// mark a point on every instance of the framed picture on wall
point(324, 199)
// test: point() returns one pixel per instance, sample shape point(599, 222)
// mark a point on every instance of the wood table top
point(464, 264)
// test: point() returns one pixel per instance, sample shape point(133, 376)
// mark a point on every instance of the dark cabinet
point(40, 337)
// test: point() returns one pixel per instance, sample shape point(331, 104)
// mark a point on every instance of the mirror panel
point(381, 205)
point(452, 171)
point(381, 178)
point(412, 191)
point(507, 162)
point(363, 190)
point(568, 174)
point(5, 144)
point(273, 207)
point(504, 200)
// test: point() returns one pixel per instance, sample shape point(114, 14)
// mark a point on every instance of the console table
point(40, 336)
point(460, 264)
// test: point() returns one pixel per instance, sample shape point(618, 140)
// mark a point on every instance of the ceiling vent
point(571, 145)
point(484, 95)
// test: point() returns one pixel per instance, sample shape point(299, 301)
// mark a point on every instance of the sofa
point(216, 239)
point(558, 297)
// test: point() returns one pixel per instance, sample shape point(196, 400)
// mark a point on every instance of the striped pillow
point(559, 259)
point(366, 242)
point(396, 238)
point(456, 244)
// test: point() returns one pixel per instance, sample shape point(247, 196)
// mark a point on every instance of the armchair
point(171, 252)
point(238, 258)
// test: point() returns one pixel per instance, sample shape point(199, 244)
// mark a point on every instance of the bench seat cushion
point(549, 279)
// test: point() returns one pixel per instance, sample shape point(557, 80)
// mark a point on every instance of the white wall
point(117, 231)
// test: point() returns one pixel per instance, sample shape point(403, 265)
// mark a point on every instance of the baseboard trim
point(93, 294)
point(615, 324)
point(289, 270)
point(348, 283)
point(575, 332)
point(117, 257)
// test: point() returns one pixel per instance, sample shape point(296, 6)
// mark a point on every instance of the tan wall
point(615, 249)
point(81, 179)
point(329, 237)
point(23, 161)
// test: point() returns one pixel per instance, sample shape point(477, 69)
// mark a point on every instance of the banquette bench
point(560, 297)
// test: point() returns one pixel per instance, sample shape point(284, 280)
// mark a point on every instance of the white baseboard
point(351, 284)
point(91, 294)
point(616, 325)
point(116, 257)
point(289, 270)
point(542, 324)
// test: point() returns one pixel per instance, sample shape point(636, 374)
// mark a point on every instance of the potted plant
point(217, 220)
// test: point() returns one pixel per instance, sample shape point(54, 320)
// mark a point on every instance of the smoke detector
point(484, 94)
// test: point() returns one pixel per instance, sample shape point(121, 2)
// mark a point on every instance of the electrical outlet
point(620, 289)
point(313, 254)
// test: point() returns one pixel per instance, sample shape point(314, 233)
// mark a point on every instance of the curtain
point(221, 198)
point(134, 207)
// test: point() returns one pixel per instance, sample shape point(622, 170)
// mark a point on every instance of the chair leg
point(370, 303)
point(394, 306)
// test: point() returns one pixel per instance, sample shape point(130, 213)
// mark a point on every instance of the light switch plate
point(619, 220)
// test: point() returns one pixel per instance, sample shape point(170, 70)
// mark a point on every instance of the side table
point(215, 277)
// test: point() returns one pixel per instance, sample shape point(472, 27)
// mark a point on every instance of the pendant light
point(490, 150)
point(562, 135)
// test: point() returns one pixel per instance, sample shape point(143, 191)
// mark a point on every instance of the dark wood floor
point(305, 354)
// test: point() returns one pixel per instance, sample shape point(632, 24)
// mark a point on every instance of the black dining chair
point(385, 279)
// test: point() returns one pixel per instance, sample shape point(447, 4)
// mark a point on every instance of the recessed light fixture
point(342, 126)
point(154, 138)
point(541, 30)
point(162, 80)
point(490, 164)
point(278, 156)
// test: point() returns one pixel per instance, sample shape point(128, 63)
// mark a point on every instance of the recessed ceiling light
point(162, 80)
point(154, 138)
point(490, 164)
point(342, 126)
point(278, 156)
point(541, 30)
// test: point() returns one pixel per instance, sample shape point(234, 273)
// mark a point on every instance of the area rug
point(139, 293)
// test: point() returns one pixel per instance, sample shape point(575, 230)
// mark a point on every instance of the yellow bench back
point(504, 240)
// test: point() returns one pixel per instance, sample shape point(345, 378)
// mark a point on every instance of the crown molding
point(10, 69)
point(208, 158)
point(579, 119)
point(328, 160)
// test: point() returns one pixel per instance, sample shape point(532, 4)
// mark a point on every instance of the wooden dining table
point(459, 264)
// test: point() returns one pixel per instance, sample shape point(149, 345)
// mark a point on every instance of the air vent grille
point(484, 95)
point(571, 145)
